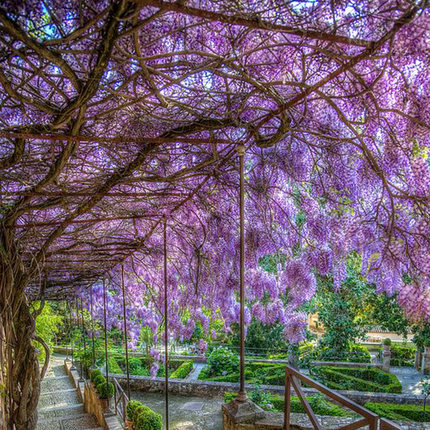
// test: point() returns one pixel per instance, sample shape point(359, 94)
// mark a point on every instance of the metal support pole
point(92, 329)
point(105, 329)
point(73, 367)
point(83, 333)
point(81, 376)
point(242, 392)
point(166, 329)
point(124, 313)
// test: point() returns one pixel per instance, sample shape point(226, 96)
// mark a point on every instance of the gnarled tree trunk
point(20, 372)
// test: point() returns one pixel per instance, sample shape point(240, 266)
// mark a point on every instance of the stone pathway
point(59, 407)
point(410, 379)
point(194, 374)
point(185, 412)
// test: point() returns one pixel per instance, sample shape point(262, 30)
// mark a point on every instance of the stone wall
point(217, 389)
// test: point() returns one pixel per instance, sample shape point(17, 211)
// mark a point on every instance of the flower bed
point(358, 379)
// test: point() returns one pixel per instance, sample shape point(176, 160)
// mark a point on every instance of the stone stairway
point(59, 407)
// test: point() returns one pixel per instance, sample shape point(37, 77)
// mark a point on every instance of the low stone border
point(91, 401)
point(217, 389)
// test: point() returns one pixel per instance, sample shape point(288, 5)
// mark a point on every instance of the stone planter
point(93, 404)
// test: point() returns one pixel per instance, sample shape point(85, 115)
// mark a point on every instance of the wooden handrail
point(120, 400)
point(292, 377)
point(388, 425)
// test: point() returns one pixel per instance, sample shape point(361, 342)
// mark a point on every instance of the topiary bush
point(105, 390)
point(94, 373)
point(99, 379)
point(132, 407)
point(147, 419)
point(223, 360)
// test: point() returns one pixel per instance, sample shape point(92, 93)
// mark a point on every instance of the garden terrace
point(168, 168)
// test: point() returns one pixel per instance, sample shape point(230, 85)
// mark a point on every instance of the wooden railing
point(121, 400)
point(385, 424)
point(292, 378)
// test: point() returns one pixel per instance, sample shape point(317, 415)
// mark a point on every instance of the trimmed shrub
point(94, 373)
point(399, 412)
point(105, 390)
point(222, 360)
point(346, 378)
point(131, 409)
point(231, 377)
point(183, 370)
point(148, 420)
point(99, 379)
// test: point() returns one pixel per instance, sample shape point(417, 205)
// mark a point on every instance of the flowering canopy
point(118, 114)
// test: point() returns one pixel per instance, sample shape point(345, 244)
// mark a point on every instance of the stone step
point(73, 422)
point(59, 411)
point(61, 398)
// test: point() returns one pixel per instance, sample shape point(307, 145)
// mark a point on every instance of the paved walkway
point(194, 374)
point(410, 379)
point(185, 413)
point(59, 407)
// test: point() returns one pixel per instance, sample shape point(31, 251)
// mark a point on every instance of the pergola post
point(105, 330)
point(241, 409)
point(242, 392)
point(73, 367)
point(81, 377)
point(124, 313)
point(83, 338)
point(166, 328)
point(92, 329)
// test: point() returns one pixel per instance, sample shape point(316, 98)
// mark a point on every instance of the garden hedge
point(183, 370)
point(402, 355)
point(350, 378)
point(318, 404)
point(399, 412)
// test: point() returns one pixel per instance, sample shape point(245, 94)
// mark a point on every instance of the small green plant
point(387, 342)
point(261, 397)
point(105, 390)
point(147, 419)
point(132, 407)
point(94, 373)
